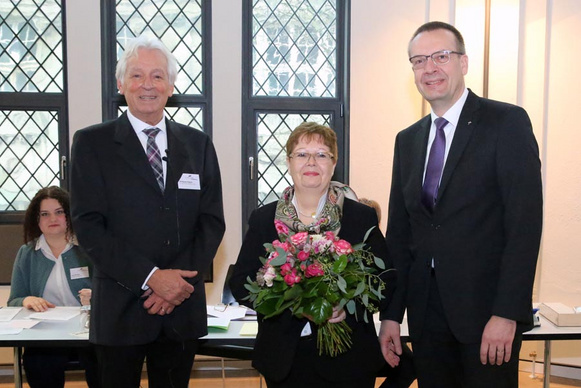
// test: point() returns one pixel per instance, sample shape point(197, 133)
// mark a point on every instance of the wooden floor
point(245, 377)
point(250, 379)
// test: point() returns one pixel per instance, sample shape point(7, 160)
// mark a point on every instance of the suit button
point(167, 242)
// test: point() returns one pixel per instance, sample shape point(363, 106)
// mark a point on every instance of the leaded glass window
point(181, 25)
point(294, 48)
point(294, 71)
point(28, 154)
point(31, 41)
point(33, 128)
point(177, 23)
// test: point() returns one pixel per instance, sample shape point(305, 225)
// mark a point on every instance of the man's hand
point(496, 346)
point(37, 304)
point(169, 284)
point(390, 342)
point(155, 304)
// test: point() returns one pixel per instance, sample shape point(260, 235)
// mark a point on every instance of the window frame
point(44, 101)
point(112, 100)
point(337, 107)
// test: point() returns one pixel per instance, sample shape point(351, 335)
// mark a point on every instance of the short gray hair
point(148, 43)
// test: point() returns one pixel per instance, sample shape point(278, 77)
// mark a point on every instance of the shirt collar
point(43, 246)
point(452, 115)
point(139, 126)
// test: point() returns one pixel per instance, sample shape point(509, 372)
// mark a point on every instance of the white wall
point(533, 58)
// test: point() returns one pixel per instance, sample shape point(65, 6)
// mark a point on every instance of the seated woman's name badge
point(79, 273)
point(189, 182)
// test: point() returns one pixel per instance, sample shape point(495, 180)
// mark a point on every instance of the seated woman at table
point(51, 270)
point(285, 351)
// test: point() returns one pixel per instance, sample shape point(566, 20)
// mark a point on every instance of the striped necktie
point(154, 156)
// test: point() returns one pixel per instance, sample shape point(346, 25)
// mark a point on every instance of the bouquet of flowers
point(312, 273)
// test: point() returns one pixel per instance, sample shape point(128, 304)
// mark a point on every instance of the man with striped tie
point(147, 207)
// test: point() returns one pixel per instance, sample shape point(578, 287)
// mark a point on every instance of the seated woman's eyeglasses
point(303, 156)
point(439, 58)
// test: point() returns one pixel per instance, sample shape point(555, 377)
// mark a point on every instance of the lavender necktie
point(435, 166)
point(153, 155)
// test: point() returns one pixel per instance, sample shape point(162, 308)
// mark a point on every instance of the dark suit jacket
point(128, 226)
point(278, 337)
point(484, 233)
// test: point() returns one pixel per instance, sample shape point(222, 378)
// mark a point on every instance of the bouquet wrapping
point(310, 274)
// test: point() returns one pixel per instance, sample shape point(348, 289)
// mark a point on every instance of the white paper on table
point(7, 313)
point(56, 314)
point(219, 323)
point(226, 311)
point(7, 328)
point(23, 323)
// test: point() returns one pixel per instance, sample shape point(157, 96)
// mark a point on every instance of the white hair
point(148, 43)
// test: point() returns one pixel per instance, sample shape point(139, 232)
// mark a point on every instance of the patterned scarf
point(330, 217)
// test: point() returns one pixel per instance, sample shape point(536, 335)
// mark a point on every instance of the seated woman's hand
point(85, 296)
point(339, 315)
point(37, 304)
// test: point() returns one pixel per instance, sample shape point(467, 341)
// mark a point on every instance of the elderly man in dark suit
point(464, 228)
point(147, 207)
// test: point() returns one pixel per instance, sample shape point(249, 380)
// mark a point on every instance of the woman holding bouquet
point(285, 351)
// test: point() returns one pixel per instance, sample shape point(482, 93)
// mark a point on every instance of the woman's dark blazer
point(278, 337)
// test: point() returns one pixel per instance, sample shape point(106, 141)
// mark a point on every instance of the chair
point(227, 297)
point(238, 352)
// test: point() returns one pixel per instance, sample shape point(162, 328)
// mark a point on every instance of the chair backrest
point(227, 297)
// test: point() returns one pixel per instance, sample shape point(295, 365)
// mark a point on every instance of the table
point(548, 332)
point(61, 334)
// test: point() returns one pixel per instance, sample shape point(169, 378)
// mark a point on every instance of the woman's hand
point(37, 304)
point(339, 315)
point(85, 296)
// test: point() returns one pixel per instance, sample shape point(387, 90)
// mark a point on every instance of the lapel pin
point(469, 122)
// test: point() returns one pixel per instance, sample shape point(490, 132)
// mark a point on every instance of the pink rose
point(292, 278)
point(281, 228)
point(299, 238)
point(284, 245)
point(303, 255)
point(342, 247)
point(285, 269)
point(314, 269)
point(330, 236)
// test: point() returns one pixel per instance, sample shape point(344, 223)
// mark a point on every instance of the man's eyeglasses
point(303, 156)
point(439, 58)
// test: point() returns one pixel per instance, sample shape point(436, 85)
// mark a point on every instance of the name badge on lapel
point(189, 182)
point(79, 273)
